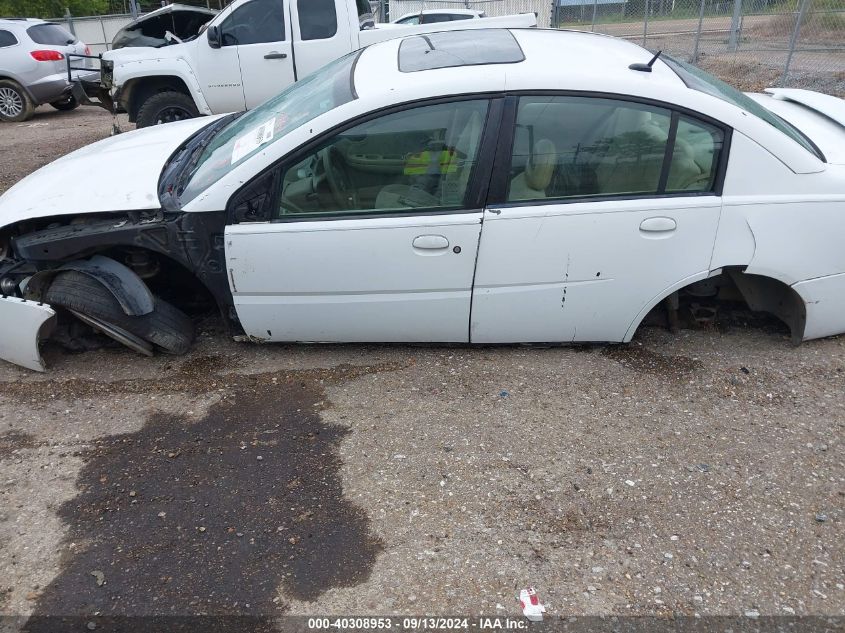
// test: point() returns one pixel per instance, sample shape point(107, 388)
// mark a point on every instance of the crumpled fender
point(129, 289)
point(23, 324)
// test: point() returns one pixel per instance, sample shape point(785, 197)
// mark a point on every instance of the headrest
point(541, 165)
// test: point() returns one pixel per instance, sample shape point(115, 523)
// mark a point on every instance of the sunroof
point(448, 49)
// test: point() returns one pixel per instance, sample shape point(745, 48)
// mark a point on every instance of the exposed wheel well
point(136, 91)
point(733, 285)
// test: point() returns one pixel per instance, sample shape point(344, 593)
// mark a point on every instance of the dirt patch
point(643, 360)
point(213, 516)
point(14, 440)
point(203, 374)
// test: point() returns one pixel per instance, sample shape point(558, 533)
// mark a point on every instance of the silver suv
point(33, 67)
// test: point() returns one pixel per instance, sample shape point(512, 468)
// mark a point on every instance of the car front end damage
point(117, 256)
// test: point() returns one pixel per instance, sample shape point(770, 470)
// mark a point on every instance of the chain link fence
point(752, 44)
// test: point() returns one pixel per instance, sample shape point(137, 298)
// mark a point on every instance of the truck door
point(264, 49)
point(217, 68)
point(322, 32)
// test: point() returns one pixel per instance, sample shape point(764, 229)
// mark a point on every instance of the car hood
point(120, 173)
point(136, 32)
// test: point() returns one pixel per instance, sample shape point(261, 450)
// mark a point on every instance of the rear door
point(371, 235)
point(604, 206)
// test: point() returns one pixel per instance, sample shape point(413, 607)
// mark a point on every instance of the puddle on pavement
point(214, 516)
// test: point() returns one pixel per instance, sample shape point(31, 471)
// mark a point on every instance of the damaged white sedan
point(450, 187)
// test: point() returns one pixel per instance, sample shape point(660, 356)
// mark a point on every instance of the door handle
point(658, 225)
point(430, 242)
point(275, 55)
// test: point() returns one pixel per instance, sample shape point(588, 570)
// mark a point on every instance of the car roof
point(21, 22)
point(553, 59)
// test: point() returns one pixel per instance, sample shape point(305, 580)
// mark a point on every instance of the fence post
point(133, 9)
point(645, 23)
point(793, 39)
point(694, 59)
point(595, 6)
point(69, 20)
point(105, 38)
point(733, 42)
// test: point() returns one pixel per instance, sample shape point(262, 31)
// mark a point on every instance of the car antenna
point(646, 68)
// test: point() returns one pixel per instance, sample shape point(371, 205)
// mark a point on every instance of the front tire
point(166, 327)
point(66, 105)
point(15, 105)
point(166, 107)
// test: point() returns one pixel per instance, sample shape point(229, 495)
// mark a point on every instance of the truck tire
point(166, 327)
point(66, 104)
point(15, 104)
point(165, 107)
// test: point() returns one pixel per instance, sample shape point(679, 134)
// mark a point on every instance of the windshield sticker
point(253, 139)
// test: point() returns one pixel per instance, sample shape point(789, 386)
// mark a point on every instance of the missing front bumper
point(22, 326)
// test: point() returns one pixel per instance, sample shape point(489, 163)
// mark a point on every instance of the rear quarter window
point(317, 19)
point(7, 39)
point(50, 35)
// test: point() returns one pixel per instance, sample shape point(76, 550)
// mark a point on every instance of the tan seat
point(635, 146)
point(532, 183)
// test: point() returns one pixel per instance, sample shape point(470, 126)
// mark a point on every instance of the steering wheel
point(337, 175)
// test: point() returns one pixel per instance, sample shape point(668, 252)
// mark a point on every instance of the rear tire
point(166, 107)
point(15, 104)
point(66, 104)
point(166, 327)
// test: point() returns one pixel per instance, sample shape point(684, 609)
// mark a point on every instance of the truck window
point(317, 19)
point(255, 22)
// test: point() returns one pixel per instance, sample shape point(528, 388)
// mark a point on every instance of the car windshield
point(319, 92)
point(697, 79)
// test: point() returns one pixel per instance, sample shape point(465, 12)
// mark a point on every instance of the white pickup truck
point(249, 52)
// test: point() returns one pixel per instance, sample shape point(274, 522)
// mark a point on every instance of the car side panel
point(825, 303)
point(584, 271)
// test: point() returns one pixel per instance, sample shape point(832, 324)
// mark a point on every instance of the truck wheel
point(165, 107)
point(166, 327)
point(66, 104)
point(15, 105)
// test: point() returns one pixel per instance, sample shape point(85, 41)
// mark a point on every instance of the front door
point(260, 28)
point(371, 236)
point(605, 207)
point(219, 69)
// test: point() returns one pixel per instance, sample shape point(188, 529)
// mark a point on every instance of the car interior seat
point(534, 180)
point(633, 147)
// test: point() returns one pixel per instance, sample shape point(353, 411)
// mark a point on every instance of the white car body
point(438, 15)
point(541, 270)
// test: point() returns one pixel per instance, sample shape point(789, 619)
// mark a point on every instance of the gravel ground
point(697, 473)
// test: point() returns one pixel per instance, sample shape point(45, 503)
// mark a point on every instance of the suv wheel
point(15, 105)
point(165, 107)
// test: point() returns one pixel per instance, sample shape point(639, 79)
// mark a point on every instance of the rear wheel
point(166, 327)
point(166, 107)
point(15, 105)
point(66, 104)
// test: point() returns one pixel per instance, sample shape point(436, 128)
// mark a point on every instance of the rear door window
point(50, 35)
point(576, 147)
point(317, 19)
point(7, 39)
point(431, 18)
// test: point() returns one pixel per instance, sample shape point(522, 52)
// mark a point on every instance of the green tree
point(51, 8)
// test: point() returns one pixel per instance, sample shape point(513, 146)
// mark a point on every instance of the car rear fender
point(129, 289)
